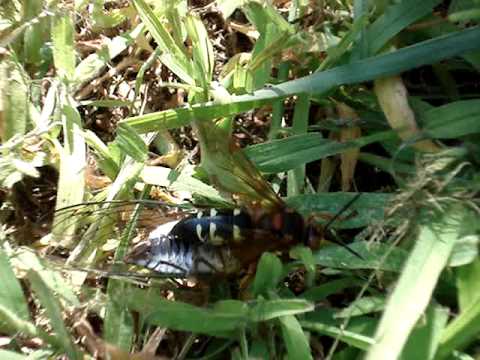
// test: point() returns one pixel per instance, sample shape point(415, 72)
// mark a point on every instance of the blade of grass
point(173, 55)
point(11, 355)
point(417, 281)
point(295, 338)
point(395, 18)
point(71, 182)
point(94, 63)
point(26, 327)
point(453, 120)
point(301, 115)
point(278, 105)
point(14, 98)
point(285, 154)
point(11, 294)
point(349, 337)
point(424, 340)
point(410, 57)
point(53, 311)
point(63, 46)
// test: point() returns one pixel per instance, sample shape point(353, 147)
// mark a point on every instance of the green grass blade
point(460, 332)
point(395, 18)
point(367, 209)
point(11, 355)
point(26, 259)
point(427, 52)
point(424, 340)
point(93, 64)
point(203, 55)
point(468, 284)
point(338, 257)
point(301, 115)
point(269, 274)
point(173, 56)
point(414, 289)
point(453, 120)
point(14, 97)
point(285, 154)
point(63, 46)
point(71, 182)
point(25, 327)
point(221, 321)
point(11, 294)
point(264, 310)
point(53, 311)
point(349, 337)
point(295, 339)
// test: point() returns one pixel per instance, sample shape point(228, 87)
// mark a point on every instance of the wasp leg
point(247, 279)
point(182, 271)
point(200, 260)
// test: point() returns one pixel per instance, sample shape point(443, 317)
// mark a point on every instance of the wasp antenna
point(337, 241)
point(342, 210)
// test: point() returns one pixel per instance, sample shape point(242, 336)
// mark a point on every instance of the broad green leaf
point(319, 293)
point(26, 259)
point(119, 325)
point(105, 154)
point(460, 332)
point(295, 339)
point(203, 56)
point(373, 257)
point(184, 317)
point(131, 143)
point(301, 115)
point(465, 250)
point(36, 34)
point(183, 181)
point(269, 274)
point(367, 209)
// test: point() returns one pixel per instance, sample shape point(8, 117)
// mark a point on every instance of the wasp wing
point(230, 169)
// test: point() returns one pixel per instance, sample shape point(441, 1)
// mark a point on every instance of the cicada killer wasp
point(205, 242)
point(223, 241)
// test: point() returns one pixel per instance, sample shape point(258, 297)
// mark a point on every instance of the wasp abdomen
point(216, 227)
point(173, 256)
